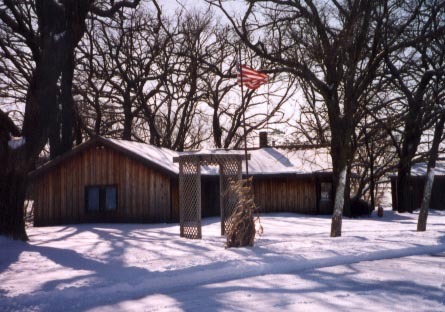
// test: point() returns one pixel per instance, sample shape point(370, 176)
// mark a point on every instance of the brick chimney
point(263, 139)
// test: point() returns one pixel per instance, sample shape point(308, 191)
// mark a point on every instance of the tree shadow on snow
point(317, 286)
point(109, 281)
point(10, 252)
point(81, 276)
point(393, 216)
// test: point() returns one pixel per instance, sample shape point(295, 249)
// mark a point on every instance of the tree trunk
point(155, 137)
point(128, 121)
point(77, 129)
point(338, 204)
point(40, 116)
point(98, 119)
point(54, 139)
point(409, 148)
point(66, 143)
point(423, 215)
point(340, 153)
point(61, 136)
point(13, 177)
point(128, 117)
point(339, 161)
point(61, 26)
point(40, 110)
point(412, 135)
point(217, 133)
point(403, 174)
point(372, 182)
point(347, 209)
point(369, 151)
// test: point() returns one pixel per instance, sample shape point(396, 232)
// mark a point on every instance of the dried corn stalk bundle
point(243, 220)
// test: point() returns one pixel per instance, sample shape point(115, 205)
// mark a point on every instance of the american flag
point(250, 78)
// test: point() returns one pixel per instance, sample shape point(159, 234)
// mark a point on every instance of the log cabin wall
point(292, 193)
point(174, 195)
point(149, 193)
point(285, 194)
point(416, 187)
point(143, 193)
point(438, 194)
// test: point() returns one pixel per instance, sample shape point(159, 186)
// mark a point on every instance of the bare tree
point(333, 47)
point(184, 88)
point(51, 37)
point(337, 48)
point(222, 94)
point(434, 55)
point(151, 78)
point(429, 180)
point(16, 68)
point(413, 68)
point(94, 103)
point(312, 125)
point(120, 56)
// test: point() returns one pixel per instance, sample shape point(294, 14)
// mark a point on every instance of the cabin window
point(101, 198)
point(325, 191)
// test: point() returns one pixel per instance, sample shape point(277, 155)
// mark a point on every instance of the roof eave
point(97, 140)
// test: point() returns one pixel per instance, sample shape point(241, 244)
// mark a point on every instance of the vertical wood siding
point(416, 187)
point(271, 194)
point(438, 193)
point(143, 192)
point(174, 194)
point(146, 194)
point(285, 194)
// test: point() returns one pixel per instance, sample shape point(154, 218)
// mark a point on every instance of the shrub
point(360, 207)
point(243, 221)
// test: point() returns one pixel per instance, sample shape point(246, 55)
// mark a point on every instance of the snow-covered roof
point(421, 168)
point(262, 161)
point(271, 160)
point(159, 155)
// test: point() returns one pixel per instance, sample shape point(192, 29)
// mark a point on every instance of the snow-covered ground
point(379, 264)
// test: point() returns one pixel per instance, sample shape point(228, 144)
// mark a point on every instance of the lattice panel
point(190, 190)
point(190, 199)
point(230, 171)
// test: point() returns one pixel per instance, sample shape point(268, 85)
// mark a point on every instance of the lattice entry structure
point(190, 164)
point(230, 172)
point(190, 196)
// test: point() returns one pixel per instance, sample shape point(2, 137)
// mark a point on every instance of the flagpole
point(267, 107)
point(244, 111)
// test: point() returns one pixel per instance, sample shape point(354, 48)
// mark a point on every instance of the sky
point(234, 5)
point(173, 4)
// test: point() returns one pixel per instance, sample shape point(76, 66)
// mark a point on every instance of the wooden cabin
point(416, 184)
point(105, 180)
point(108, 180)
point(288, 180)
point(309, 194)
point(284, 180)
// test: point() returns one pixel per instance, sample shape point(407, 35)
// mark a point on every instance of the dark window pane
point(326, 190)
point(110, 198)
point(93, 199)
